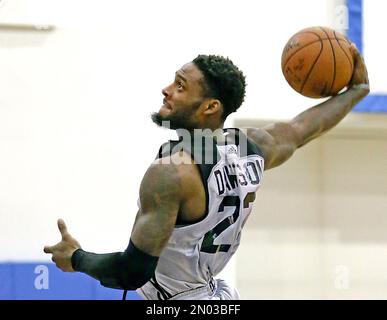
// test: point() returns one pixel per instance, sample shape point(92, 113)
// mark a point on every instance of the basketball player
point(192, 209)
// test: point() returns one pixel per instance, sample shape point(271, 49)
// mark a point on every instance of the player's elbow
point(133, 282)
point(135, 267)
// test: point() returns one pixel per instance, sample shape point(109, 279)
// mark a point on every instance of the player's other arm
point(279, 141)
point(160, 201)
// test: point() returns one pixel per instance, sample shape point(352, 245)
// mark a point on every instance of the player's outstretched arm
point(160, 201)
point(279, 141)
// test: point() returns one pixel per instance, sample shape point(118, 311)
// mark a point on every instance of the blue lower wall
point(43, 281)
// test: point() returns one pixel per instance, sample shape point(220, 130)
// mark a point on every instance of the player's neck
point(203, 131)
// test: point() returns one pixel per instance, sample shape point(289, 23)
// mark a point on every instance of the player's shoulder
point(178, 166)
point(182, 168)
point(161, 180)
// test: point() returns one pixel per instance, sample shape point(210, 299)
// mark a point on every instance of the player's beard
point(177, 120)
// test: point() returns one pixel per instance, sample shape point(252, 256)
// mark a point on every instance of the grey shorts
point(218, 289)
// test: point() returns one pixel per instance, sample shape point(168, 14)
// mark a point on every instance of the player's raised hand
point(63, 250)
point(360, 74)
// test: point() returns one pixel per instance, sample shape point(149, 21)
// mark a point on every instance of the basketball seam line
point(349, 60)
point(314, 63)
point(319, 39)
point(334, 64)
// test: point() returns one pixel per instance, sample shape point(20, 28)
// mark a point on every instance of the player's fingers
point(48, 249)
point(52, 249)
point(355, 53)
point(62, 228)
point(359, 62)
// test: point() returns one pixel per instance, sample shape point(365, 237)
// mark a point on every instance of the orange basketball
point(317, 62)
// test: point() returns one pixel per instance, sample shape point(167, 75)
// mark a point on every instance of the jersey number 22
point(209, 238)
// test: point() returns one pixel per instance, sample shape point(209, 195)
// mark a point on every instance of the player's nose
point(166, 91)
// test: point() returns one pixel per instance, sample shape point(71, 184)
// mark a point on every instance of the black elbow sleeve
point(127, 270)
point(136, 267)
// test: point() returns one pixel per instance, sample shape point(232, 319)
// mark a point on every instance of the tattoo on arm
point(160, 197)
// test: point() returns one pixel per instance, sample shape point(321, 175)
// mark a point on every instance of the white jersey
point(197, 252)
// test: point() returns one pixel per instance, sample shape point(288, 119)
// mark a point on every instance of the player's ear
point(213, 106)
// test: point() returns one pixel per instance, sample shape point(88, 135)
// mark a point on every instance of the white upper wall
point(375, 48)
point(75, 133)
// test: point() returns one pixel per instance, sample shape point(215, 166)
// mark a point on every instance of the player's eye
point(180, 85)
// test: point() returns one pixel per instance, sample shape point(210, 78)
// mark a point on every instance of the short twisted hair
point(223, 81)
